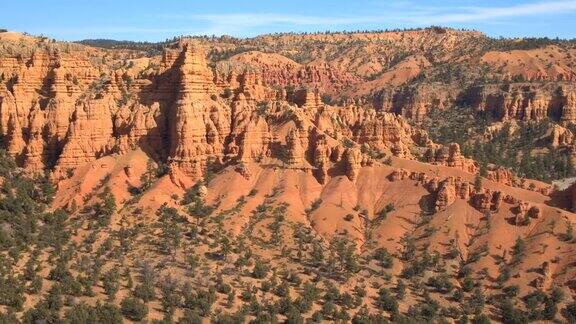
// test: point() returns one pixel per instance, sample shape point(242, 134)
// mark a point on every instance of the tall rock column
point(569, 108)
point(198, 122)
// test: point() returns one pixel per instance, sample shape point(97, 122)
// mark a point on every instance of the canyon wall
point(501, 102)
point(61, 110)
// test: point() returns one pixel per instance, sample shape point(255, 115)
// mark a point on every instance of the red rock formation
point(502, 102)
point(414, 102)
point(141, 126)
point(66, 109)
point(321, 159)
point(497, 199)
point(569, 107)
point(253, 140)
point(199, 123)
point(295, 151)
point(483, 200)
point(446, 194)
point(399, 174)
point(451, 156)
point(279, 71)
point(521, 102)
point(383, 131)
point(352, 162)
point(559, 136)
point(501, 175)
point(90, 134)
point(308, 99)
point(522, 213)
point(534, 212)
point(35, 154)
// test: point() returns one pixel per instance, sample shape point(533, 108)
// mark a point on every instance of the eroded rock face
point(568, 106)
point(277, 70)
point(308, 99)
point(198, 124)
point(559, 136)
point(446, 194)
point(526, 103)
point(483, 200)
point(141, 126)
point(399, 174)
point(415, 102)
point(35, 153)
point(525, 211)
point(451, 156)
point(295, 151)
point(90, 134)
point(501, 175)
point(63, 110)
point(383, 131)
point(464, 189)
point(503, 102)
point(322, 153)
point(534, 212)
point(352, 162)
point(450, 189)
point(497, 199)
point(14, 137)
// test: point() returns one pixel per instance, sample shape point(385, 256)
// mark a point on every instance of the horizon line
point(295, 32)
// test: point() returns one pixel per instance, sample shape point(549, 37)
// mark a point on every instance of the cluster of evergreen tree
point(516, 153)
point(26, 227)
point(513, 148)
point(23, 202)
point(124, 44)
point(528, 43)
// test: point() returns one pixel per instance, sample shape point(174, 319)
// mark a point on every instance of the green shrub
point(386, 302)
point(133, 309)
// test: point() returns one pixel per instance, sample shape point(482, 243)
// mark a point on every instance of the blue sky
point(155, 20)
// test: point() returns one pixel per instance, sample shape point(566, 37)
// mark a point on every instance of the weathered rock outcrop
point(415, 102)
point(501, 175)
point(279, 71)
point(352, 162)
point(451, 156)
point(199, 122)
point(559, 136)
point(90, 134)
point(446, 194)
point(525, 102)
point(450, 189)
point(502, 102)
point(65, 110)
point(399, 175)
point(487, 200)
point(321, 159)
point(39, 98)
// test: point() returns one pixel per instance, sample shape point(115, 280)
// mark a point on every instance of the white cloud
point(473, 14)
point(395, 13)
point(405, 13)
point(242, 22)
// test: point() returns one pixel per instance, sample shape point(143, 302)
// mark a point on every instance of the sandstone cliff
point(64, 110)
